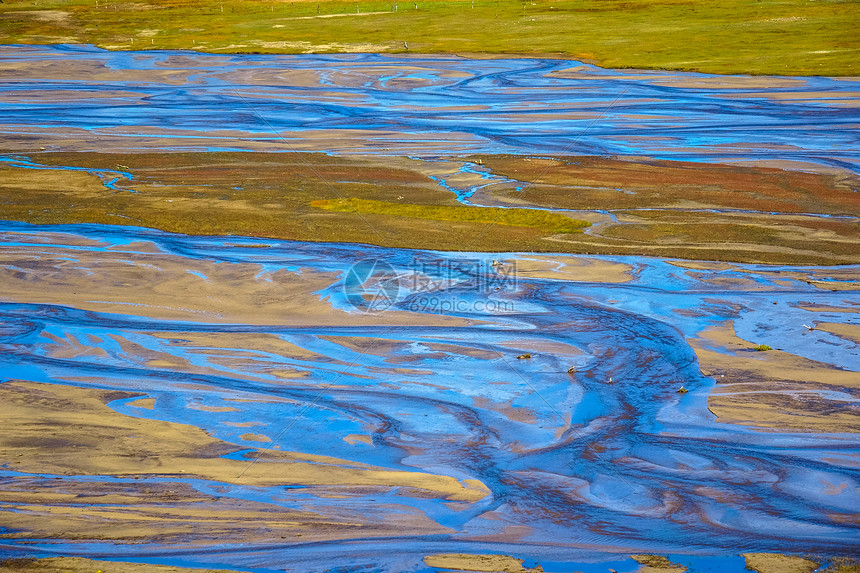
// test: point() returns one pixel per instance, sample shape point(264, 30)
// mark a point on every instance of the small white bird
point(808, 327)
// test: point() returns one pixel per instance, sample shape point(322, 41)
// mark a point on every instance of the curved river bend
point(436, 438)
point(574, 465)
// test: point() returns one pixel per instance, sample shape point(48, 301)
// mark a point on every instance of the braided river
point(547, 406)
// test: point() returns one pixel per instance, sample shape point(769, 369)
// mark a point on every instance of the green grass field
point(316, 197)
point(787, 37)
point(547, 221)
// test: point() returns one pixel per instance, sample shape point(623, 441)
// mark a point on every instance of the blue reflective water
point(582, 467)
point(579, 470)
point(419, 105)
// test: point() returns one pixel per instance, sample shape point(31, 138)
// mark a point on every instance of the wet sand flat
point(697, 114)
point(463, 315)
point(421, 419)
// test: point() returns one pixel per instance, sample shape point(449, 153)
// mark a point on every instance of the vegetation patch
point(539, 219)
point(622, 184)
point(391, 202)
point(790, 37)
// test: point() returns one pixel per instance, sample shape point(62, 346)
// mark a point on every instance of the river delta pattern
point(84, 98)
point(263, 420)
point(548, 464)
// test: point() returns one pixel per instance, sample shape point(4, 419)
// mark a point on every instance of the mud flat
point(420, 106)
point(463, 315)
point(81, 565)
point(315, 432)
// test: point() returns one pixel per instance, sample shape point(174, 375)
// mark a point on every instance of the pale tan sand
point(383, 347)
point(827, 278)
point(478, 563)
point(787, 165)
point(570, 268)
point(832, 279)
point(28, 138)
point(850, 332)
point(28, 96)
point(845, 103)
point(776, 563)
point(146, 403)
point(536, 347)
point(246, 356)
point(827, 308)
point(94, 72)
point(729, 82)
point(204, 408)
point(47, 427)
point(138, 511)
point(81, 565)
point(836, 285)
point(245, 364)
point(772, 389)
point(353, 439)
point(533, 117)
point(682, 80)
point(703, 265)
point(657, 564)
point(255, 438)
point(802, 96)
point(230, 293)
point(224, 342)
point(519, 414)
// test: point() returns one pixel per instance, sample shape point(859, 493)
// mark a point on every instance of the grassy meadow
point(781, 37)
point(316, 197)
point(547, 221)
